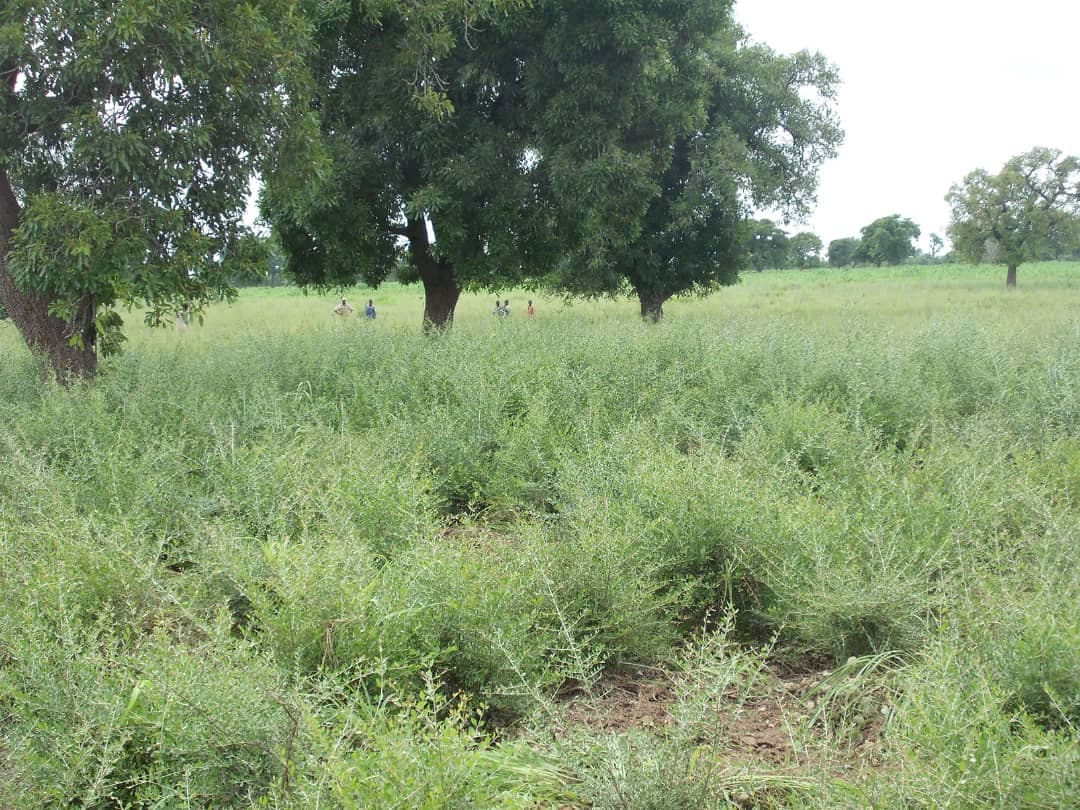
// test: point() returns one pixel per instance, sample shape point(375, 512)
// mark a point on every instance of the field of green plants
point(810, 542)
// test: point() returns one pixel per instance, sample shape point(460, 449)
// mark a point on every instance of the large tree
point(1015, 215)
point(844, 252)
point(585, 144)
point(745, 128)
point(769, 245)
point(888, 240)
point(805, 249)
point(424, 117)
point(128, 135)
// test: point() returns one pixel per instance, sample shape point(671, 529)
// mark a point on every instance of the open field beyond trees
point(809, 542)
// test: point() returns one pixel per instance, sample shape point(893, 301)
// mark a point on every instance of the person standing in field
point(498, 308)
point(343, 309)
point(369, 310)
point(530, 310)
point(506, 307)
point(183, 319)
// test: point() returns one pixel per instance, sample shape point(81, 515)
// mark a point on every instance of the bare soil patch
point(783, 725)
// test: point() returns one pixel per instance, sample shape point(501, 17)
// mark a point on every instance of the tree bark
point(441, 289)
point(652, 306)
point(44, 333)
point(1010, 277)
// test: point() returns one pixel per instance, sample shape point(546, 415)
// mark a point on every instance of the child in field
point(506, 307)
point(498, 308)
point(369, 310)
point(530, 310)
point(343, 309)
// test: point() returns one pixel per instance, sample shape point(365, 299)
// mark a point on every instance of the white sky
point(931, 90)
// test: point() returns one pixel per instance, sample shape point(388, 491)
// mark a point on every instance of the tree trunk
point(1010, 277)
point(440, 299)
point(652, 306)
point(441, 290)
point(43, 332)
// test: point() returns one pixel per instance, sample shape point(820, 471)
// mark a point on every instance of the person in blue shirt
point(369, 310)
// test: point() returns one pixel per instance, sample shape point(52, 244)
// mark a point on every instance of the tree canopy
point(129, 132)
point(756, 126)
point(844, 252)
point(768, 245)
point(427, 152)
point(888, 240)
point(583, 146)
point(1014, 216)
point(805, 250)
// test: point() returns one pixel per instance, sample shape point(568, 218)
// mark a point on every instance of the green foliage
point(130, 139)
point(425, 751)
point(1029, 210)
point(957, 746)
point(1042, 667)
point(580, 147)
point(844, 252)
point(742, 127)
point(424, 123)
point(936, 244)
point(769, 245)
point(888, 240)
point(691, 765)
point(163, 714)
point(280, 560)
point(805, 250)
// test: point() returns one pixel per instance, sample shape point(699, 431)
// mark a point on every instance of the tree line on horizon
point(589, 150)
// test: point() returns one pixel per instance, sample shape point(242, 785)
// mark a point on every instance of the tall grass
point(285, 559)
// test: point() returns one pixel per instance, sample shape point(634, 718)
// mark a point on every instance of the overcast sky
point(931, 90)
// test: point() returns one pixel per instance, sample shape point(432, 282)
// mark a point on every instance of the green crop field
point(811, 541)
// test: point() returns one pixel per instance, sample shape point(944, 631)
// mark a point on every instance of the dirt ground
point(783, 726)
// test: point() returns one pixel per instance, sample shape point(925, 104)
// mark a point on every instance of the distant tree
point(769, 245)
point(936, 244)
point(128, 135)
point(1014, 216)
point(843, 252)
point(804, 250)
point(888, 240)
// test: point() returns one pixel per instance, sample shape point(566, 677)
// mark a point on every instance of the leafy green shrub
point(809, 444)
point(950, 742)
point(1042, 667)
point(420, 752)
point(173, 718)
